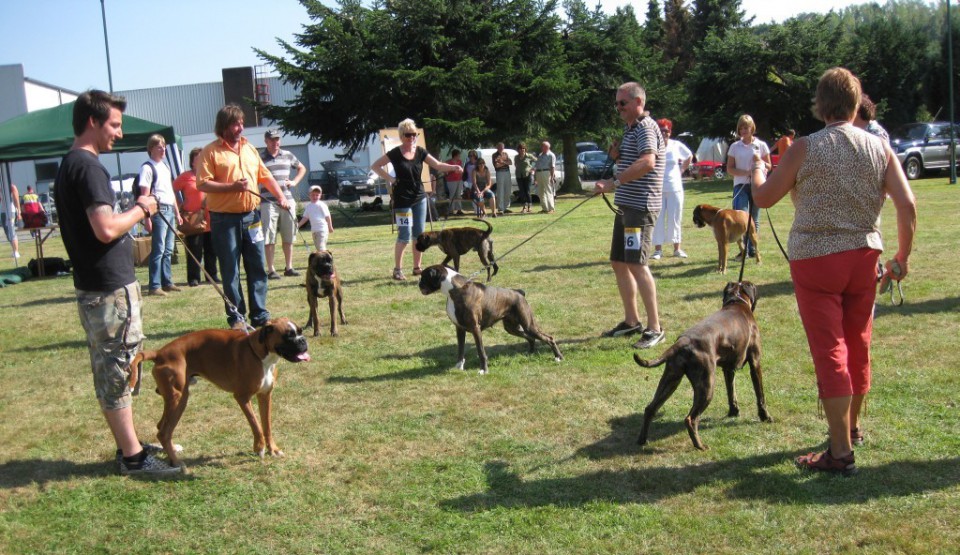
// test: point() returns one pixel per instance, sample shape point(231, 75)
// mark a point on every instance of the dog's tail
point(655, 362)
point(136, 367)
point(489, 227)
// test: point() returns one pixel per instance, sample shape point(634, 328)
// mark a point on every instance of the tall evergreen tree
point(653, 29)
point(716, 16)
point(678, 39)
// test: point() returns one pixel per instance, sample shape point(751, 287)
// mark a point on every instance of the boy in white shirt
point(319, 216)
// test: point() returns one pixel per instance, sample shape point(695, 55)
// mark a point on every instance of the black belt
point(546, 170)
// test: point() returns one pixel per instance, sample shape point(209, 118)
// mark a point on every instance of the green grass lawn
point(390, 450)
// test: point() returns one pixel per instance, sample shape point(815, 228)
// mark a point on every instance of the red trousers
point(835, 295)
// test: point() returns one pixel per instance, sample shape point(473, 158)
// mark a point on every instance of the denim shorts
point(415, 216)
point(632, 236)
point(114, 336)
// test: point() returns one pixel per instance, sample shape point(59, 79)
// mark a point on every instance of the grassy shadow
point(25, 472)
point(932, 306)
point(752, 478)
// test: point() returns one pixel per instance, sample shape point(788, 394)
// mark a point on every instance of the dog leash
point(528, 239)
point(232, 308)
point(614, 209)
point(886, 280)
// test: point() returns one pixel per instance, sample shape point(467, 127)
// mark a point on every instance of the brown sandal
point(856, 436)
point(825, 462)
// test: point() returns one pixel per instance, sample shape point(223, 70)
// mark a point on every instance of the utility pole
point(953, 138)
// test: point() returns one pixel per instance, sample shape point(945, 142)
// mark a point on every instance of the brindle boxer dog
point(728, 338)
point(245, 365)
point(323, 281)
point(457, 241)
point(475, 307)
point(728, 226)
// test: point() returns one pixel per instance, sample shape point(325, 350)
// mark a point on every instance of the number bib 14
point(404, 217)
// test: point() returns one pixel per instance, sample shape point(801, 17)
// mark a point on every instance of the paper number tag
point(405, 217)
point(256, 232)
point(631, 238)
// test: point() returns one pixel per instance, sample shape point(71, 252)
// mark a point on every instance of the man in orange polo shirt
point(229, 172)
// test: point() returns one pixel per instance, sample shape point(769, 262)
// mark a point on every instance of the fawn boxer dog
point(728, 226)
point(245, 365)
point(323, 281)
point(475, 307)
point(729, 338)
point(457, 241)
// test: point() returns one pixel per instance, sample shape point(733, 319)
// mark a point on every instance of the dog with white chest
point(241, 364)
point(475, 307)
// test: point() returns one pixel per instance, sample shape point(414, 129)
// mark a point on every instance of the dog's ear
point(730, 291)
point(264, 331)
point(751, 290)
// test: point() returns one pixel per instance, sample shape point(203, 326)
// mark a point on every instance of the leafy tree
point(769, 74)
point(360, 69)
point(892, 58)
point(602, 52)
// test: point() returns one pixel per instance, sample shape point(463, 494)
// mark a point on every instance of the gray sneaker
point(149, 466)
point(649, 338)
point(152, 449)
point(622, 329)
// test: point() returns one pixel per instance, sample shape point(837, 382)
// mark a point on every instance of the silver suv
point(924, 146)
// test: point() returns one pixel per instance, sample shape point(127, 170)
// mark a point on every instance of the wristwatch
point(616, 182)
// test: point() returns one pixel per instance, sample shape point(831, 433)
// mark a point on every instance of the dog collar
point(737, 298)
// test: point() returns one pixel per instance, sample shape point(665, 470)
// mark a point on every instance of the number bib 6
point(632, 238)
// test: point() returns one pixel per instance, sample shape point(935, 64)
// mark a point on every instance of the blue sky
point(173, 42)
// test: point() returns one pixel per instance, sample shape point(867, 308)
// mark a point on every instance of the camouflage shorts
point(114, 336)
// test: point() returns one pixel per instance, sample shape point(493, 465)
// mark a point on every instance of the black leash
point(774, 231)
point(615, 210)
point(607, 168)
point(528, 239)
point(232, 308)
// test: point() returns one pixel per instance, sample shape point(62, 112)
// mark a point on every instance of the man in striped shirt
point(638, 187)
point(277, 220)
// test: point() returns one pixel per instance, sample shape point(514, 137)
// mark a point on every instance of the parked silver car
point(923, 146)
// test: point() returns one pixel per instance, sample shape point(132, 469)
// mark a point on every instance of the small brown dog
point(323, 280)
point(728, 226)
point(728, 338)
point(245, 365)
point(457, 241)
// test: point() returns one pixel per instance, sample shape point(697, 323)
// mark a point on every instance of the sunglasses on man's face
point(409, 135)
point(621, 103)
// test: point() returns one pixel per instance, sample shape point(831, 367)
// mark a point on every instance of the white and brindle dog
point(475, 307)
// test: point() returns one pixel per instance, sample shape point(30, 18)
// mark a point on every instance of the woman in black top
point(406, 190)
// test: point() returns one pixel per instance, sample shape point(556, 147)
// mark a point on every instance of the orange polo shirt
point(222, 164)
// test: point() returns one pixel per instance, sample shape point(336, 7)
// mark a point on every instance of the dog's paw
point(482, 371)
point(460, 364)
point(276, 452)
point(260, 452)
point(558, 359)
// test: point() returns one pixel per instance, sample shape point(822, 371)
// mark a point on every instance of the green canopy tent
point(49, 134)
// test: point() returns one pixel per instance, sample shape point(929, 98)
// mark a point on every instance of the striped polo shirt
point(645, 193)
point(280, 166)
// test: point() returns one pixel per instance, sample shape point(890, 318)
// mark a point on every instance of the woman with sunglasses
point(407, 195)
